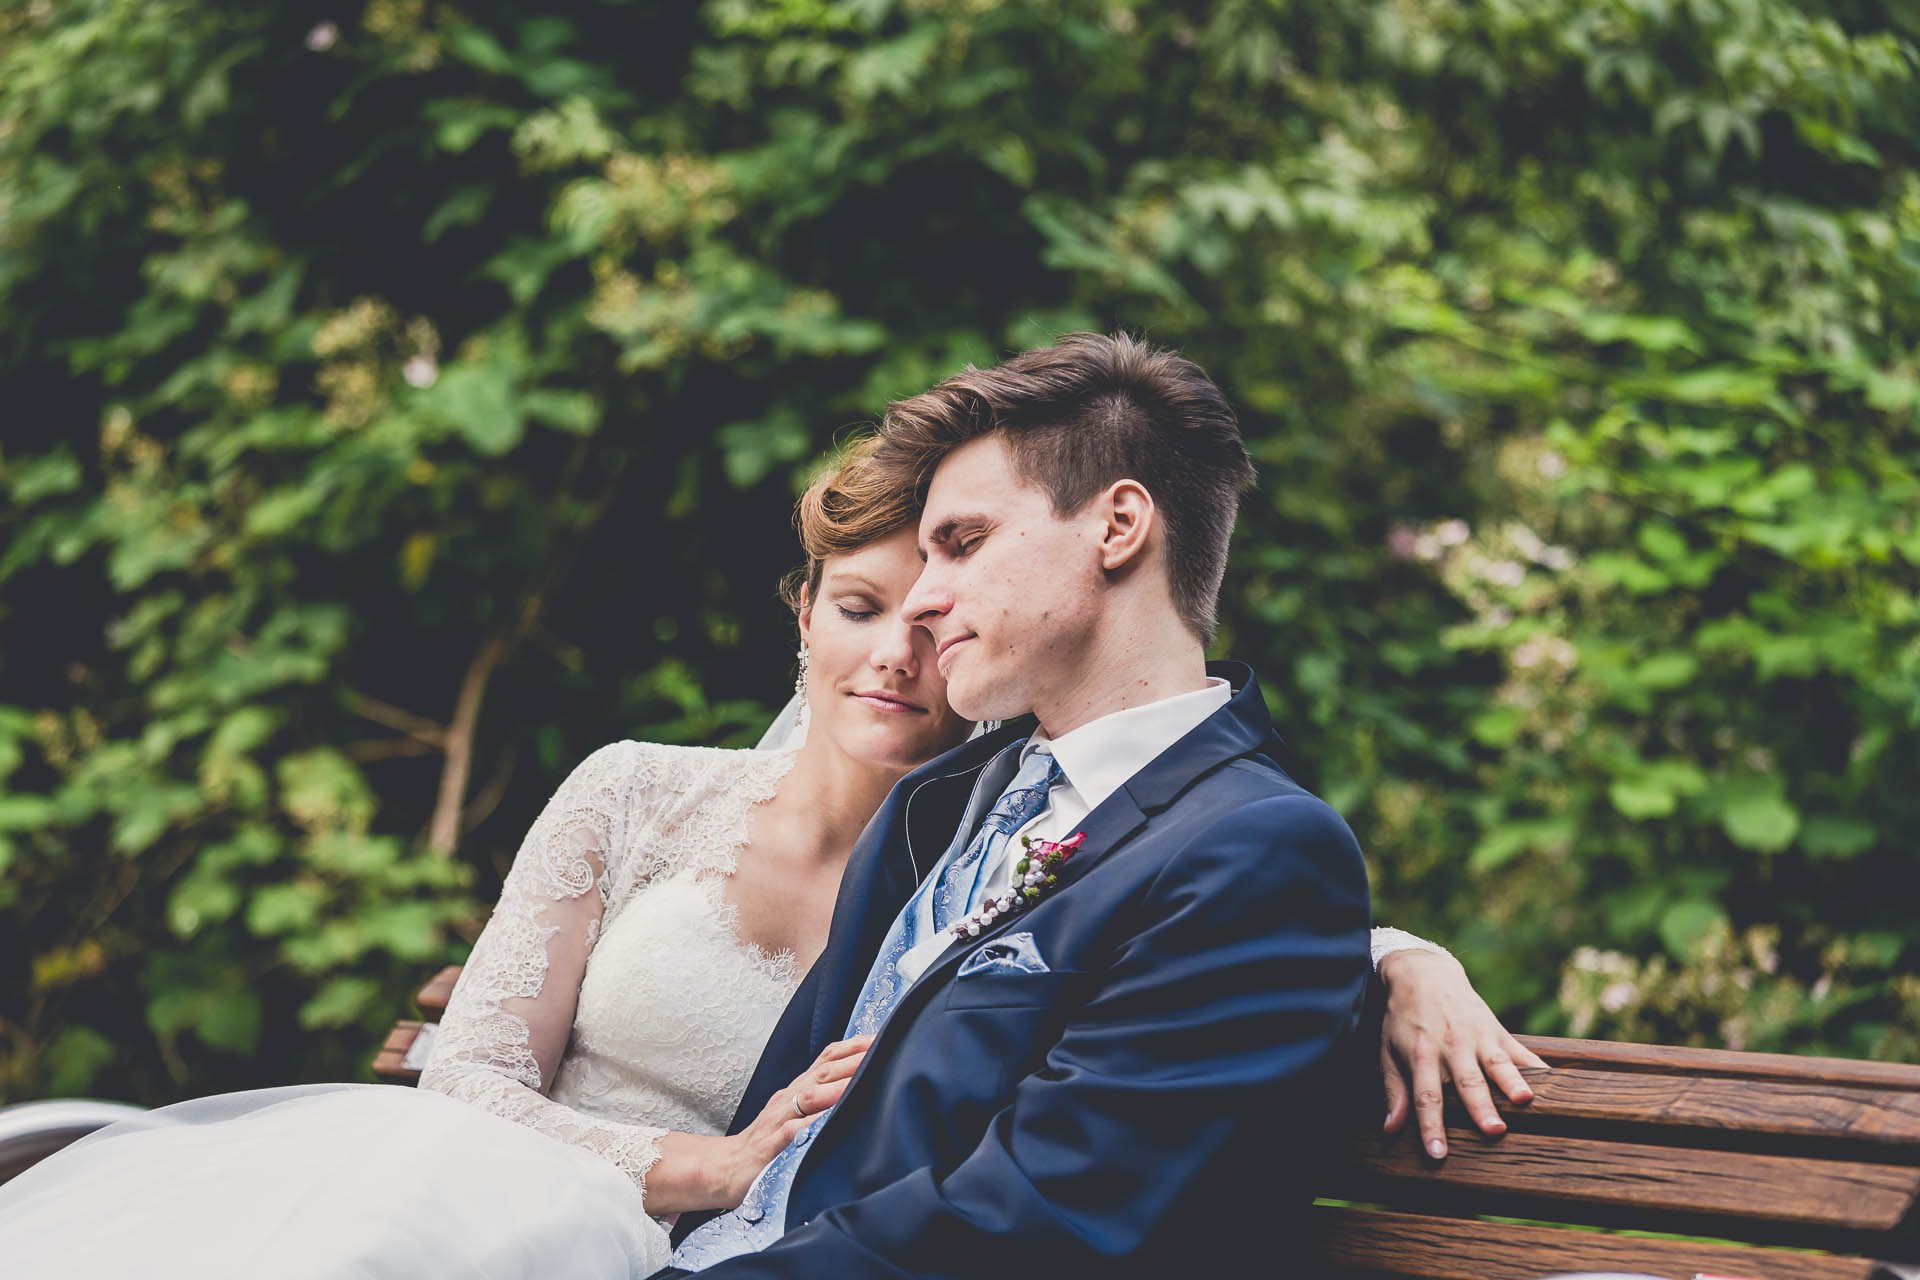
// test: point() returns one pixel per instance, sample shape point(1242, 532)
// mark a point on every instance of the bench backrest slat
point(1783, 1116)
point(1725, 1063)
point(1791, 1199)
point(433, 997)
point(1405, 1246)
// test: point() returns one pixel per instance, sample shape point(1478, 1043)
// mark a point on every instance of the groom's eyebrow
point(941, 532)
point(944, 531)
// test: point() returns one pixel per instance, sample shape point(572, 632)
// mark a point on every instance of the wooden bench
point(1805, 1168)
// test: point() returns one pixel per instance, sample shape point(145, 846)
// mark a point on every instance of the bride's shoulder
point(678, 805)
point(669, 760)
point(658, 778)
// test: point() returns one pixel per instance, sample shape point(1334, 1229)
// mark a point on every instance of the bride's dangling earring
point(800, 690)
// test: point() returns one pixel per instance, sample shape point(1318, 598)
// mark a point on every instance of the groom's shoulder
point(1253, 806)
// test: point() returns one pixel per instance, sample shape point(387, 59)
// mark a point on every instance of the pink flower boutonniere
point(1034, 876)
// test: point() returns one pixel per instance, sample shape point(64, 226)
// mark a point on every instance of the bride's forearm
point(693, 1172)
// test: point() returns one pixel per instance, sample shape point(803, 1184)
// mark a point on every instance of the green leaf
point(1666, 671)
point(575, 412)
point(22, 812)
point(201, 899)
point(1685, 924)
point(339, 1003)
point(1497, 726)
point(1756, 815)
point(74, 1059)
point(1826, 835)
point(284, 908)
point(1642, 798)
point(1514, 837)
point(1631, 572)
point(43, 477)
point(231, 1021)
point(321, 789)
point(477, 402)
point(751, 450)
point(1662, 542)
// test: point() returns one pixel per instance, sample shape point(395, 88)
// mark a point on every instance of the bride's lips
point(891, 704)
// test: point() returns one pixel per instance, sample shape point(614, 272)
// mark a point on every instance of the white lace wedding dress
point(609, 1000)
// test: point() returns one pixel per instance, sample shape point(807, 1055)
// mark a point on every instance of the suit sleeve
point(1232, 997)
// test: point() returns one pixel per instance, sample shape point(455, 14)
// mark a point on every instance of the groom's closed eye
point(960, 536)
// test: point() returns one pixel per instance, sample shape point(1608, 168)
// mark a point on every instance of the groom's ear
point(1129, 515)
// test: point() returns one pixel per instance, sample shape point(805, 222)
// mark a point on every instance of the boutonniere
point(1034, 876)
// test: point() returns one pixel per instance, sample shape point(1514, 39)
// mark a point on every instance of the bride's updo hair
point(851, 505)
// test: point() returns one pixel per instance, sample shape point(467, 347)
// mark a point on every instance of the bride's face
point(872, 685)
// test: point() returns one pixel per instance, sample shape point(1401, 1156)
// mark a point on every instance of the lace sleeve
point(1387, 941)
point(508, 1022)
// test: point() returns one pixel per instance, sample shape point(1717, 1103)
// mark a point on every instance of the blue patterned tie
point(953, 892)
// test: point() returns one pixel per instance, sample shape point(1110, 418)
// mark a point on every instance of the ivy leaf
point(1826, 835)
point(1684, 924)
point(1640, 798)
point(477, 402)
point(339, 1003)
point(74, 1058)
point(1756, 815)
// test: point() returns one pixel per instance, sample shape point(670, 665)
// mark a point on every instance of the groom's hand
point(1438, 1028)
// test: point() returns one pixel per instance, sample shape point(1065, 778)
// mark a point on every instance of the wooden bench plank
point(391, 1063)
point(1406, 1246)
point(1745, 1113)
point(1525, 1171)
point(433, 997)
point(1606, 1055)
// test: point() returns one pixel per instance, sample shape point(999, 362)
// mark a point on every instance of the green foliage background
point(359, 361)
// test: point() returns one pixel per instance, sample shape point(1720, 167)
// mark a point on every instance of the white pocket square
point(1010, 953)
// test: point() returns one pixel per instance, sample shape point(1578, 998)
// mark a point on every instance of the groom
point(1110, 1046)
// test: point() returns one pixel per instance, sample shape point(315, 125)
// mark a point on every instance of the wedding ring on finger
point(794, 1097)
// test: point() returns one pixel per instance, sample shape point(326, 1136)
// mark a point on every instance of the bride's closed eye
point(855, 615)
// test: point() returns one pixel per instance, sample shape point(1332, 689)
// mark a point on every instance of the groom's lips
point(946, 646)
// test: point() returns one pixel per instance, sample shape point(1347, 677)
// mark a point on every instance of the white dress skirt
point(610, 1000)
point(371, 1181)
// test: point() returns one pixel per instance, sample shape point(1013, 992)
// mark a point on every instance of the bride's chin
point(900, 748)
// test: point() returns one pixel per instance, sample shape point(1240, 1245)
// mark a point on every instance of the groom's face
point(1009, 590)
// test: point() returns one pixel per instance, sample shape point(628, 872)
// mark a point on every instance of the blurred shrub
point(398, 405)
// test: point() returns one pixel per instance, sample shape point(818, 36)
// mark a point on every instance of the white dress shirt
point(1095, 761)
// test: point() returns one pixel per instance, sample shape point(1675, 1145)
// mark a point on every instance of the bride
point(659, 915)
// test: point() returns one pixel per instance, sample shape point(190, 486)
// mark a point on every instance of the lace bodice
point(610, 998)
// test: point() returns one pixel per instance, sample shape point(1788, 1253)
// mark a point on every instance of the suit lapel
point(1240, 728)
point(889, 861)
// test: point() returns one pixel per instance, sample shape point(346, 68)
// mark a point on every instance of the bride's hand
point(1438, 1028)
point(818, 1088)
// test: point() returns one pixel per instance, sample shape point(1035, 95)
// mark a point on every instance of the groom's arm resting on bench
point(1181, 1095)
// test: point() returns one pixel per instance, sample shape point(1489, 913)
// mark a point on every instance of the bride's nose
point(893, 649)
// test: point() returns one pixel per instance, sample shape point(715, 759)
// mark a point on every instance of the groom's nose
point(929, 597)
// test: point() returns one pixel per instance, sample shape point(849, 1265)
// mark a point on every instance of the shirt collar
point(1099, 756)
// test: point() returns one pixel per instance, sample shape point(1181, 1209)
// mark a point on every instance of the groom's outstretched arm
point(1221, 1018)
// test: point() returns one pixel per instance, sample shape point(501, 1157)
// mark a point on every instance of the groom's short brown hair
point(1087, 411)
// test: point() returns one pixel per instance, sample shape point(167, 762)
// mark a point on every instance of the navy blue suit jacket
point(1152, 1100)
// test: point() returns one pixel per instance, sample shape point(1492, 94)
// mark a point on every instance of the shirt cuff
point(1387, 941)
